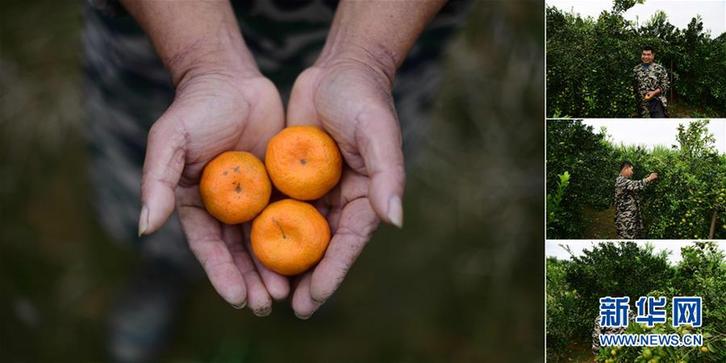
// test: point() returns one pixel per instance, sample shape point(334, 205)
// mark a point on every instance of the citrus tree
point(687, 200)
point(629, 269)
point(701, 272)
point(581, 154)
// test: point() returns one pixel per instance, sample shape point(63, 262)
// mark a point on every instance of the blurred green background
point(462, 282)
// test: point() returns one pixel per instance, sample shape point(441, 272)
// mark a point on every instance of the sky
point(553, 248)
point(680, 12)
point(653, 132)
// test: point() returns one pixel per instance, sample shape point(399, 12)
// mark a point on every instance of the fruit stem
point(280, 227)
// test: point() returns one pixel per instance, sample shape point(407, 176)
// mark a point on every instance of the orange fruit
point(289, 236)
point(304, 162)
point(235, 187)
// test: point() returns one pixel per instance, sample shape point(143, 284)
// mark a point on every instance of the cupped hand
point(213, 111)
point(352, 101)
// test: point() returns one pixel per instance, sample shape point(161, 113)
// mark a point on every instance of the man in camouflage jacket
point(650, 83)
point(628, 221)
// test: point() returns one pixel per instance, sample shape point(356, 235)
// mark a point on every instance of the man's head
point(626, 169)
point(647, 54)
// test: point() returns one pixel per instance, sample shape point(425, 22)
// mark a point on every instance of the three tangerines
point(288, 236)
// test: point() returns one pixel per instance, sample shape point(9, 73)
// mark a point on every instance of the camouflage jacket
point(646, 79)
point(598, 329)
point(628, 221)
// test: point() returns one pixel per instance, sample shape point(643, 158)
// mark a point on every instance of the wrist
point(376, 58)
point(193, 36)
point(224, 57)
point(377, 34)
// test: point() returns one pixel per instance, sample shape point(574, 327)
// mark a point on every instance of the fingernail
point(303, 317)
point(319, 301)
point(143, 220)
point(395, 211)
point(263, 312)
point(240, 305)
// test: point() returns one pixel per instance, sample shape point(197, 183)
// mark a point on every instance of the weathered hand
point(352, 101)
point(213, 111)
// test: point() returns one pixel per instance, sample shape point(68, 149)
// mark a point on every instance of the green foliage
point(590, 62)
point(562, 301)
point(622, 269)
point(554, 200)
point(621, 6)
point(691, 186)
point(574, 148)
point(626, 269)
point(713, 342)
point(680, 204)
point(702, 272)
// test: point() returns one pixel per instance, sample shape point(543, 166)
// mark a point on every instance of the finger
point(302, 303)
point(379, 143)
point(352, 186)
point(357, 223)
point(163, 165)
point(258, 299)
point(301, 106)
point(204, 235)
point(277, 286)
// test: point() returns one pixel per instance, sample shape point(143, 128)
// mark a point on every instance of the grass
point(680, 110)
point(600, 224)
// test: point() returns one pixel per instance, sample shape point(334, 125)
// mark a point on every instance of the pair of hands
point(651, 94)
point(223, 108)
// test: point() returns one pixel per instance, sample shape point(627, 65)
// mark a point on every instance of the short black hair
point(648, 47)
point(624, 164)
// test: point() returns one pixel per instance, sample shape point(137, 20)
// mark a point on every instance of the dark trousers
point(656, 109)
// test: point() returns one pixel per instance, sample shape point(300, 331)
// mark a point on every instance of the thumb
point(163, 165)
point(379, 142)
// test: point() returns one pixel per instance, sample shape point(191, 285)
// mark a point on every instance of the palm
point(219, 115)
point(355, 107)
point(339, 99)
point(212, 114)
